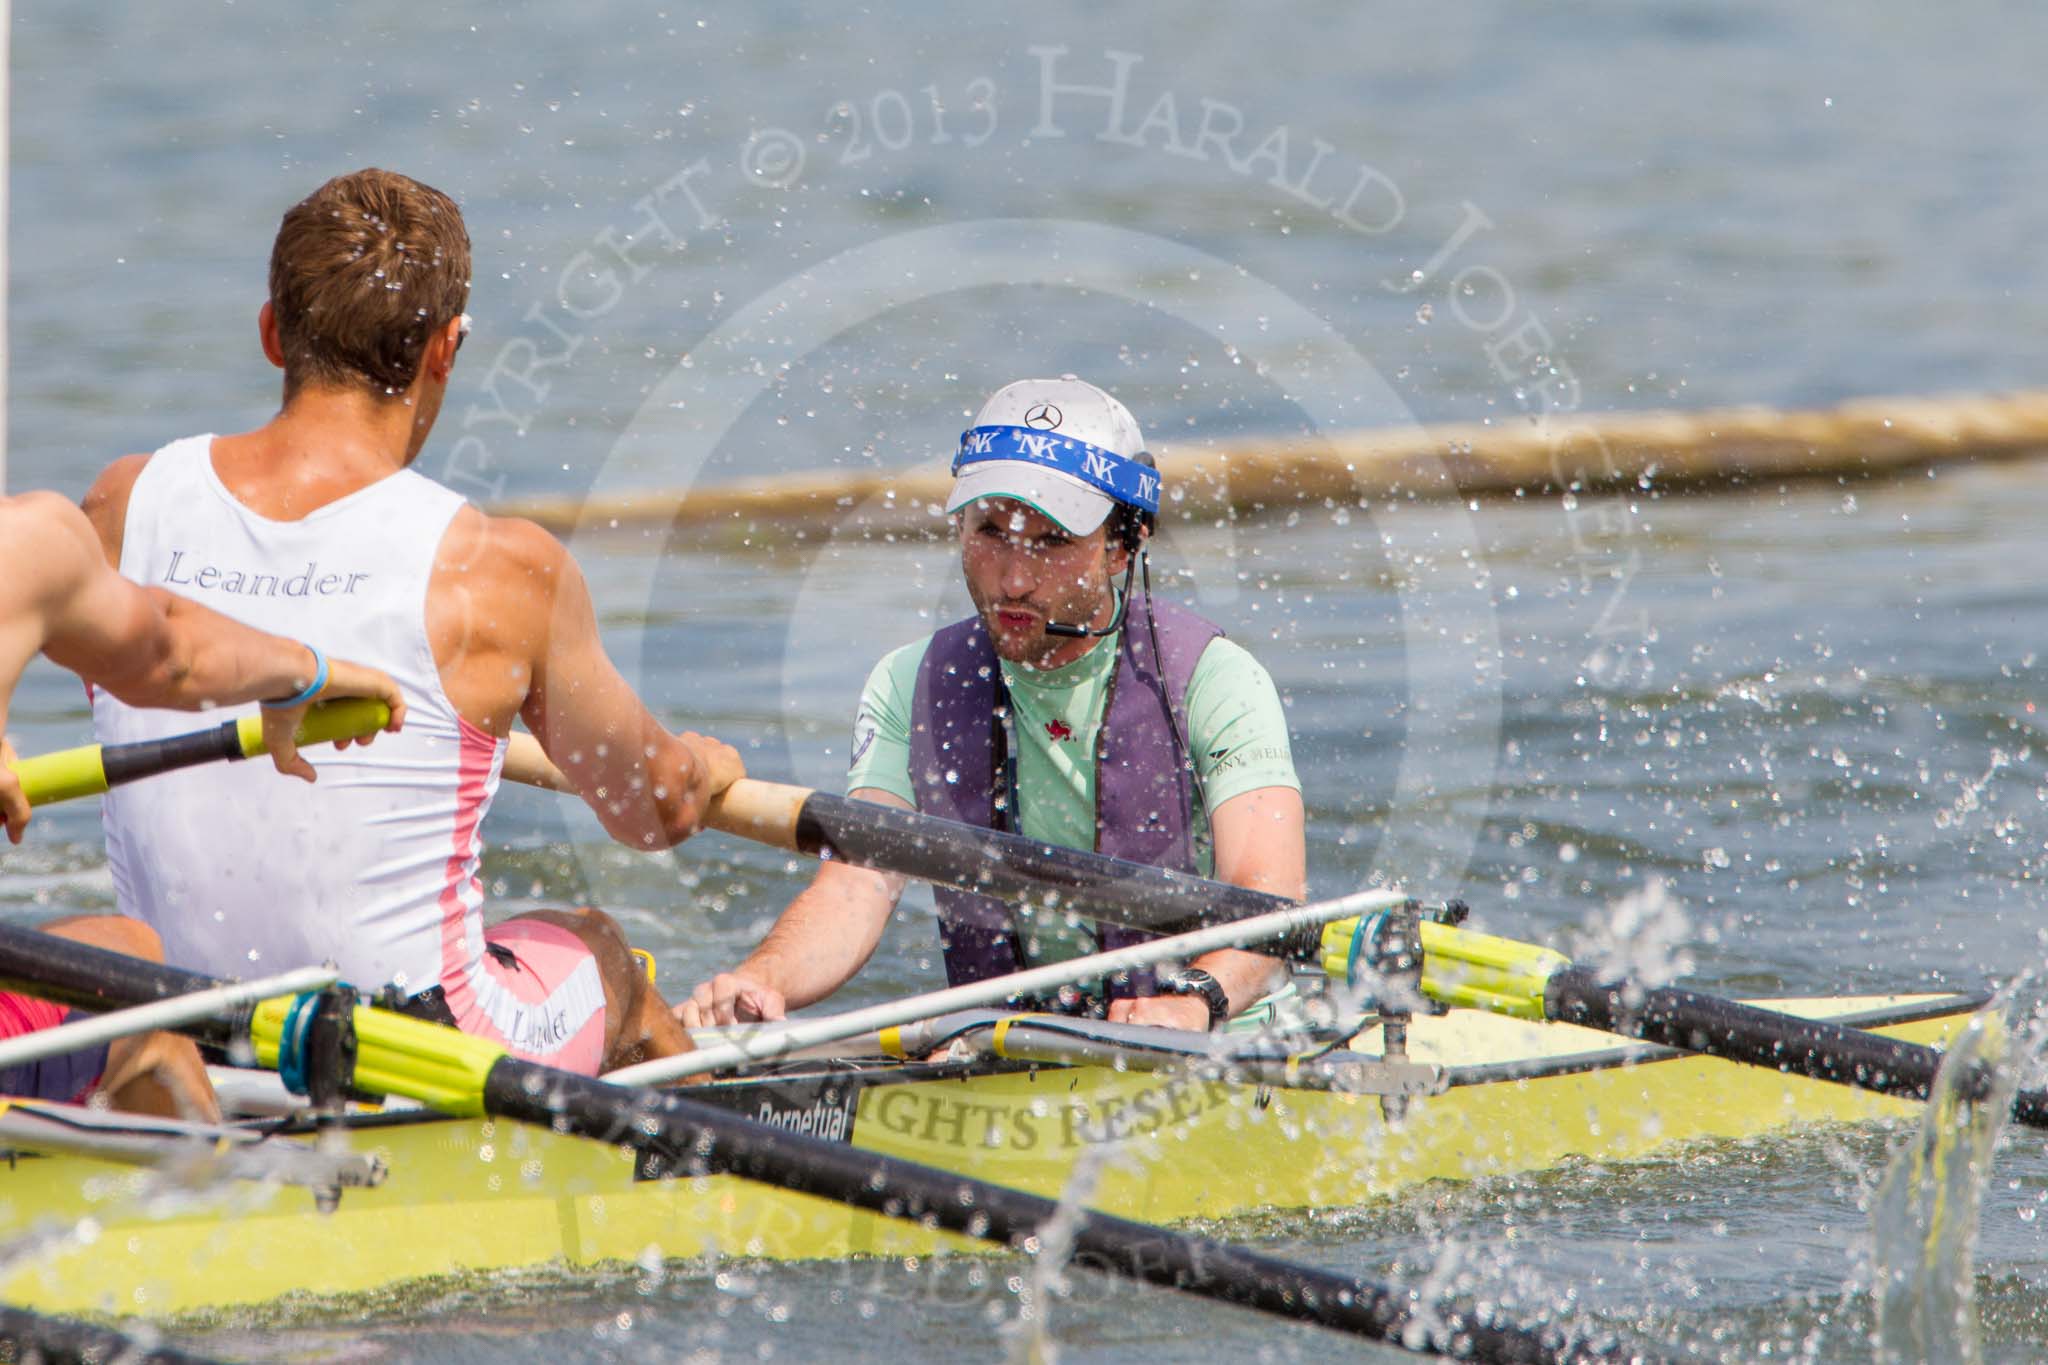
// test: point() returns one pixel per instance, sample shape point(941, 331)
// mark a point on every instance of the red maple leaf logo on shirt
point(1058, 729)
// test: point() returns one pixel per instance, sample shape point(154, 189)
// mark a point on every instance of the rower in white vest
point(316, 525)
point(374, 867)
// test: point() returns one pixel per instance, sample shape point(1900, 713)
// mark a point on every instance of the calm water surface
point(1808, 713)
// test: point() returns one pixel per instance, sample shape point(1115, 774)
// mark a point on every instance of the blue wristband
point(312, 689)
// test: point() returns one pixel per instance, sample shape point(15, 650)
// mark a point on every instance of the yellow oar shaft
point(91, 769)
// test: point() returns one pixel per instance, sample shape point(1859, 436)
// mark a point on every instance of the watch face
point(1200, 984)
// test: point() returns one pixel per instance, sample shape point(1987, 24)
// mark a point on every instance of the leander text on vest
point(312, 582)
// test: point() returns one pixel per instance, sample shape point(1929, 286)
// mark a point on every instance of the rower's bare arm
point(529, 619)
point(44, 570)
point(14, 808)
point(54, 562)
point(1261, 843)
point(824, 937)
point(150, 647)
point(529, 765)
point(145, 645)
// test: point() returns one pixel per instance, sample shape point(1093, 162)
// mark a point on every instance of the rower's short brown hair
point(363, 271)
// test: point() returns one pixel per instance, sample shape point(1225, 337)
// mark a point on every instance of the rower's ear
point(266, 329)
point(438, 360)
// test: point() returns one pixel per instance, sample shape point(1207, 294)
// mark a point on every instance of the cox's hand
point(1163, 1011)
point(344, 679)
point(730, 998)
point(13, 802)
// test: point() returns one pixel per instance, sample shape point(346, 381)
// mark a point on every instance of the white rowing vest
point(374, 868)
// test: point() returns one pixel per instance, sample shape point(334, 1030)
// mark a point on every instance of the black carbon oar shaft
point(996, 863)
point(1736, 1032)
point(148, 757)
point(89, 978)
point(698, 1139)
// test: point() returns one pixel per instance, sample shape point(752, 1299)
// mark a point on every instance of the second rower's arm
point(1261, 843)
point(513, 623)
point(825, 936)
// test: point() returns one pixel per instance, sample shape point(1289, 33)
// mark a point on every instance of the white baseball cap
point(1088, 419)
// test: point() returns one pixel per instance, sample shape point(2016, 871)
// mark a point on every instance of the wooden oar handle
point(765, 812)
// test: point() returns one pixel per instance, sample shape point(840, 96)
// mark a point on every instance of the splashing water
point(1640, 938)
point(1924, 1215)
point(1028, 1336)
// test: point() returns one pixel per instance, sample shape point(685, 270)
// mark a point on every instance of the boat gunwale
point(863, 1074)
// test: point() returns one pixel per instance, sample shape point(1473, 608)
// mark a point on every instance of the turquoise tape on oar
point(291, 1047)
point(1359, 935)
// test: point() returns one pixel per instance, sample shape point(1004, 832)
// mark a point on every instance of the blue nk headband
point(1125, 480)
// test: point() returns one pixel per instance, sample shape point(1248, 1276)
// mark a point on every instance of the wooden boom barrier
point(1519, 456)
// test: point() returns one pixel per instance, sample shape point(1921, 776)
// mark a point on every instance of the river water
point(715, 243)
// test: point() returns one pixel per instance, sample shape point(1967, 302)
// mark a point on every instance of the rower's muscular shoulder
point(106, 502)
point(489, 606)
point(51, 549)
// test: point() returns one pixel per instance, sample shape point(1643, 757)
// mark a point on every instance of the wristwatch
point(1194, 981)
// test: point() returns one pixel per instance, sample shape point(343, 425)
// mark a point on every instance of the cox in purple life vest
point(1071, 708)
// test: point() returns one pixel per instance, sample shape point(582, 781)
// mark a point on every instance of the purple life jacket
point(1144, 791)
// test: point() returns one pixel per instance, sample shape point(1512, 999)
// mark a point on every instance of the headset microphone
point(1123, 602)
point(1131, 525)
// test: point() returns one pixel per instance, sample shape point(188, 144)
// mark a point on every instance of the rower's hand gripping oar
point(377, 1051)
point(91, 769)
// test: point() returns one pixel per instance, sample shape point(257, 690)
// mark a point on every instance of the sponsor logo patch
point(816, 1108)
point(1266, 753)
point(863, 736)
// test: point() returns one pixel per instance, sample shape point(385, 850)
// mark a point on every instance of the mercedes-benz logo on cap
point(1044, 416)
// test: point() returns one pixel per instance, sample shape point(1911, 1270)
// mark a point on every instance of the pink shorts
point(538, 993)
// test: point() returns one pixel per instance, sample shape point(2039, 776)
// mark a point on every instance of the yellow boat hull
point(85, 1236)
